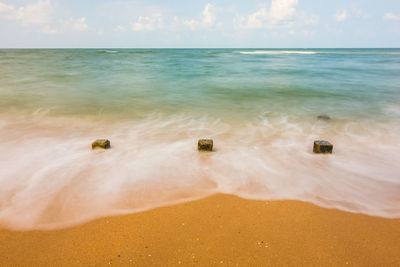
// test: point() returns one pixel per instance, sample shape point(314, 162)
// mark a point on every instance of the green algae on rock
point(323, 147)
point(101, 143)
point(205, 145)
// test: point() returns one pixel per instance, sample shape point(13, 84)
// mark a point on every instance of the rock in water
point(205, 145)
point(323, 117)
point(321, 146)
point(101, 143)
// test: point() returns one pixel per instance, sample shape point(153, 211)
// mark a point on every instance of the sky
point(199, 24)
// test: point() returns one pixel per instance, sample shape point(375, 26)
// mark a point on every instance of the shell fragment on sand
point(323, 147)
point(101, 143)
point(205, 145)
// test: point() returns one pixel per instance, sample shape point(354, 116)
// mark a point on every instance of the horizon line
point(4, 48)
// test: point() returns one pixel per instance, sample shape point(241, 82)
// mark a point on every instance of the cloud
point(257, 19)
point(74, 25)
point(280, 13)
point(310, 20)
point(391, 16)
point(148, 23)
point(358, 13)
point(207, 20)
point(42, 15)
point(47, 29)
point(282, 9)
point(39, 13)
point(6, 9)
point(66, 25)
point(119, 28)
point(208, 15)
point(304, 33)
point(341, 15)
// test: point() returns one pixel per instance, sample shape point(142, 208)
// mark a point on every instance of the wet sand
point(221, 230)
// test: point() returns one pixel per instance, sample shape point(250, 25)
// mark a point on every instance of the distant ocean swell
point(278, 52)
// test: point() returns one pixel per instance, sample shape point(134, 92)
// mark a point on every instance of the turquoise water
point(220, 82)
point(260, 107)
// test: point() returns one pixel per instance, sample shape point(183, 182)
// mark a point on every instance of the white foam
point(393, 110)
point(277, 52)
point(107, 51)
point(50, 177)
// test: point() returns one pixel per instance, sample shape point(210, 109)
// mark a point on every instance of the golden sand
point(221, 230)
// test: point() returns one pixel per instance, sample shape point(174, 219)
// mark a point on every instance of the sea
point(263, 108)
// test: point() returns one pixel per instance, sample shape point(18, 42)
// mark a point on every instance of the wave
point(322, 51)
point(50, 178)
point(277, 52)
point(107, 51)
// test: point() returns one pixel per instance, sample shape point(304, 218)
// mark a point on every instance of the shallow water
point(259, 106)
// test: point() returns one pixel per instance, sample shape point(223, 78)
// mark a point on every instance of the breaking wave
point(107, 51)
point(277, 52)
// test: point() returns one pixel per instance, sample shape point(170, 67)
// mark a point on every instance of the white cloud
point(282, 9)
point(39, 13)
point(5, 9)
point(74, 25)
point(280, 13)
point(311, 20)
point(191, 24)
point(208, 19)
point(391, 16)
point(148, 23)
point(302, 18)
point(358, 13)
point(47, 29)
point(119, 28)
point(208, 15)
point(80, 25)
point(42, 14)
point(256, 20)
point(341, 15)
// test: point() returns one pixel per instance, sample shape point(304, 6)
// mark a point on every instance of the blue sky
point(183, 23)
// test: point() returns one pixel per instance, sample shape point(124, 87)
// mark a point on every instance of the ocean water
point(259, 106)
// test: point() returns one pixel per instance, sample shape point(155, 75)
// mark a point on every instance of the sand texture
point(221, 230)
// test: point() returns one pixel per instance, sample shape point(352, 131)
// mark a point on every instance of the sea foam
point(107, 51)
point(271, 52)
point(50, 178)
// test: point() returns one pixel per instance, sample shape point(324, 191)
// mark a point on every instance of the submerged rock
point(205, 145)
point(323, 117)
point(321, 146)
point(101, 143)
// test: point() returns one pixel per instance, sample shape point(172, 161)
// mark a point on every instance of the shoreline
point(63, 181)
point(218, 230)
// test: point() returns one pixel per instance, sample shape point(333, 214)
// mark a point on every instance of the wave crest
point(277, 52)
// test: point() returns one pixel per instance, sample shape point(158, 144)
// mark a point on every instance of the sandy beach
point(221, 230)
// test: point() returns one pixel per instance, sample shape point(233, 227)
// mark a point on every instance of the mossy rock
point(322, 147)
point(101, 143)
point(205, 145)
